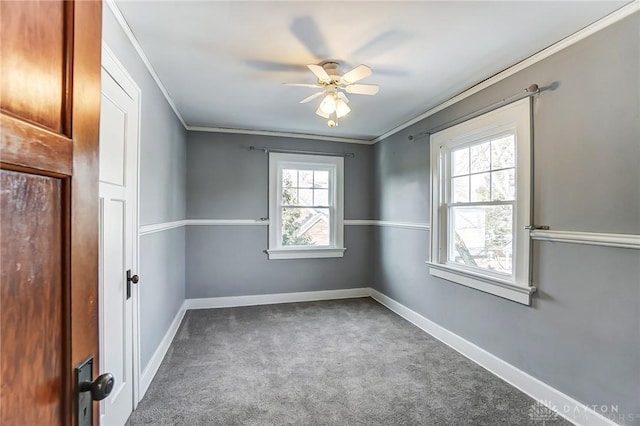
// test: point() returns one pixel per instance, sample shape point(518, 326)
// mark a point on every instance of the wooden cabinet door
point(49, 127)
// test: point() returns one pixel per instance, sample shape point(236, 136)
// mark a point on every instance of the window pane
point(289, 178)
point(503, 152)
point(503, 185)
point(305, 197)
point(460, 163)
point(480, 187)
point(321, 179)
point(321, 197)
point(305, 227)
point(479, 156)
point(289, 196)
point(305, 178)
point(461, 189)
point(482, 237)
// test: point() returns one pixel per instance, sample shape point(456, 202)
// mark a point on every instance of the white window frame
point(515, 117)
point(335, 166)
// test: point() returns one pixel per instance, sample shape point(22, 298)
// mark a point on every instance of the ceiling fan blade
point(315, 86)
point(321, 113)
point(307, 31)
point(342, 96)
point(362, 89)
point(274, 66)
point(312, 97)
point(382, 44)
point(391, 71)
point(356, 74)
point(320, 73)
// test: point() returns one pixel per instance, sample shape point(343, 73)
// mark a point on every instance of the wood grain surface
point(34, 61)
point(49, 127)
point(31, 296)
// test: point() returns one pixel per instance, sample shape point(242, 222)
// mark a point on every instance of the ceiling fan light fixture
point(342, 108)
point(333, 84)
point(328, 104)
point(321, 113)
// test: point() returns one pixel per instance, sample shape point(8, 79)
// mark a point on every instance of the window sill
point(516, 293)
point(305, 253)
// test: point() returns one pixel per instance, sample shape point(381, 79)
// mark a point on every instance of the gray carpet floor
point(343, 362)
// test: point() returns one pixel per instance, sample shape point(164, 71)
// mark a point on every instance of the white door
point(118, 239)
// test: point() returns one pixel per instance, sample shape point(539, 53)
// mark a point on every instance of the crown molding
point(591, 29)
point(278, 134)
point(134, 42)
point(143, 57)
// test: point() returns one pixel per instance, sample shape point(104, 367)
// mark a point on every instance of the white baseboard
point(567, 407)
point(271, 299)
point(152, 367)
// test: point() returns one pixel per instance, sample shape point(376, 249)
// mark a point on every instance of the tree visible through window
point(305, 207)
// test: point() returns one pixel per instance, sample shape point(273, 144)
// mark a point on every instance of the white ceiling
point(223, 62)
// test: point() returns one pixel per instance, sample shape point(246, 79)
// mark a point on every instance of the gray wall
point(582, 334)
point(162, 197)
point(227, 181)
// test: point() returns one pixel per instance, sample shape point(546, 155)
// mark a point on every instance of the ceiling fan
point(334, 85)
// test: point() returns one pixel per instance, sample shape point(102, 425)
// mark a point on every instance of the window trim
point(335, 166)
point(515, 116)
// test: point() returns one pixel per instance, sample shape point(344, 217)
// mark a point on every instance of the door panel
point(116, 332)
point(34, 79)
point(112, 128)
point(49, 124)
point(118, 183)
point(32, 297)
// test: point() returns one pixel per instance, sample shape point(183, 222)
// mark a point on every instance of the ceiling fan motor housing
point(333, 69)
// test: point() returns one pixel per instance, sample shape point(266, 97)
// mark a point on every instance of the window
point(305, 199)
point(481, 202)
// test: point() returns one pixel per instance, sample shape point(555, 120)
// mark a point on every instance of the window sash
point(450, 237)
point(514, 119)
point(447, 183)
point(279, 162)
point(330, 205)
point(446, 155)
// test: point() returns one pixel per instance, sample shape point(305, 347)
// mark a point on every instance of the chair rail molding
point(159, 227)
point(165, 226)
point(629, 241)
